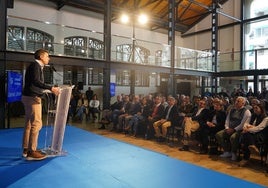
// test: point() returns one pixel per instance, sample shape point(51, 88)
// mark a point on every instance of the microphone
point(52, 67)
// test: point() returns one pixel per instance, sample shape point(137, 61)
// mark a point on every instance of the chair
point(261, 144)
point(212, 145)
point(263, 152)
point(96, 111)
point(173, 133)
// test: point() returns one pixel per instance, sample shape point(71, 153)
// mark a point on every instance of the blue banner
point(112, 89)
point(14, 86)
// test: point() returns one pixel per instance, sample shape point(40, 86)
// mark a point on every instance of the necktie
point(42, 76)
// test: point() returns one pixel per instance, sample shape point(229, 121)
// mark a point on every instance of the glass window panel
point(15, 37)
point(67, 76)
point(125, 53)
point(255, 42)
point(142, 79)
point(95, 76)
point(255, 8)
point(75, 46)
point(36, 39)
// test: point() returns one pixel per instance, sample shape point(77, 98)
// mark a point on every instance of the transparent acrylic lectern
point(58, 108)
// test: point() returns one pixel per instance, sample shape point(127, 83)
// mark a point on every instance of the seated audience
point(215, 123)
point(107, 114)
point(117, 121)
point(194, 122)
point(253, 133)
point(229, 137)
point(135, 107)
point(156, 114)
point(170, 115)
point(186, 107)
point(94, 107)
point(136, 122)
point(82, 107)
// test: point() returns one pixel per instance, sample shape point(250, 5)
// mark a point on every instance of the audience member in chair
point(215, 123)
point(82, 107)
point(157, 113)
point(139, 118)
point(107, 114)
point(193, 123)
point(253, 133)
point(119, 116)
point(185, 109)
point(135, 108)
point(94, 107)
point(170, 115)
point(229, 137)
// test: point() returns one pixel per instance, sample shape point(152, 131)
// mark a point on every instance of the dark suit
point(169, 117)
point(173, 114)
point(202, 117)
point(195, 123)
point(206, 131)
point(156, 114)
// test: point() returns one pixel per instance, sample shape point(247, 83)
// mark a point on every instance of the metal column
point(3, 31)
point(171, 42)
point(133, 49)
point(256, 84)
point(107, 42)
point(214, 44)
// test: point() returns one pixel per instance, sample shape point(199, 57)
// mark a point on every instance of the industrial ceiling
point(187, 12)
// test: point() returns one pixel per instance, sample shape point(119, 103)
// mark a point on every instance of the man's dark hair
point(39, 52)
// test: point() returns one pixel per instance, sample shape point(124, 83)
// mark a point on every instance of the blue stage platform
point(96, 161)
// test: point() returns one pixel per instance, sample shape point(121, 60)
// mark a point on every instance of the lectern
point(58, 118)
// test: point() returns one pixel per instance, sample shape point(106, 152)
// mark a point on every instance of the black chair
point(263, 152)
point(94, 111)
point(261, 144)
point(174, 133)
point(213, 145)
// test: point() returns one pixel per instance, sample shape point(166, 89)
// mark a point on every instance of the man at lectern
point(34, 87)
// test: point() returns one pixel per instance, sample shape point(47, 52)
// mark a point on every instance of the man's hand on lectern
point(55, 90)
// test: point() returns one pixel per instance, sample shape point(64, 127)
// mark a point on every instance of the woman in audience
point(253, 133)
point(94, 105)
point(82, 107)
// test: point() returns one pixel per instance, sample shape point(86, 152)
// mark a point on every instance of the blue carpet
point(96, 161)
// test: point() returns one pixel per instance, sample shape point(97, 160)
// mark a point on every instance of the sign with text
point(14, 86)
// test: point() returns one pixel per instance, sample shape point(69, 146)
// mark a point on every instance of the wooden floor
point(255, 172)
